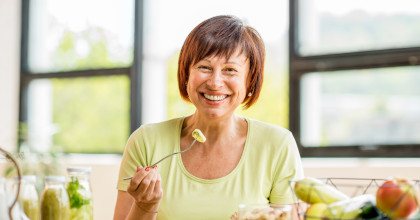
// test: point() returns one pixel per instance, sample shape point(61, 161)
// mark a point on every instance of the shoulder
point(147, 136)
point(267, 131)
point(273, 139)
point(158, 129)
point(277, 144)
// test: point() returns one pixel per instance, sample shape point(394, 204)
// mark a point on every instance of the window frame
point(133, 72)
point(300, 65)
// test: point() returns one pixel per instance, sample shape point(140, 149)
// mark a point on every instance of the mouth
point(215, 98)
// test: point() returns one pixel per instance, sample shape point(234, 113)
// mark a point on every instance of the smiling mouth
point(215, 97)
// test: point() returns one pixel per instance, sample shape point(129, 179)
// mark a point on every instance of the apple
point(397, 198)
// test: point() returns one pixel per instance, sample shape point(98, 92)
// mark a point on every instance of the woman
point(242, 161)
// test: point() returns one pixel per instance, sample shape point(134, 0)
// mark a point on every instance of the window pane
point(77, 34)
point(361, 107)
point(83, 115)
point(330, 26)
point(166, 34)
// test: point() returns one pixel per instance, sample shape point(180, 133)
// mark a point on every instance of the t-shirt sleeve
point(133, 156)
point(289, 169)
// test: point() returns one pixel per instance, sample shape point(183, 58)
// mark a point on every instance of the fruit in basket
point(397, 198)
point(312, 190)
point(358, 207)
point(315, 211)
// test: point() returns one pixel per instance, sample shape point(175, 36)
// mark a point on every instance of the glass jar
point(3, 205)
point(54, 200)
point(8, 193)
point(80, 194)
point(28, 198)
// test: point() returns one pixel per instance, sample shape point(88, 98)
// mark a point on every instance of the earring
point(249, 94)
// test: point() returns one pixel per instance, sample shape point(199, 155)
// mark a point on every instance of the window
point(354, 76)
point(82, 87)
point(79, 74)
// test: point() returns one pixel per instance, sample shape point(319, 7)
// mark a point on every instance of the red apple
point(397, 198)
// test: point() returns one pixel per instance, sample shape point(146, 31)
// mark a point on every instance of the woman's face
point(217, 86)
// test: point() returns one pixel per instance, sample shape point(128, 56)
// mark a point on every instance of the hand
point(145, 188)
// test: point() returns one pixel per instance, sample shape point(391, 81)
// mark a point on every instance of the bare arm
point(123, 205)
point(296, 212)
point(141, 201)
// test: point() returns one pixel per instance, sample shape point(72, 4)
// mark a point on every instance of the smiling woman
point(231, 55)
point(221, 63)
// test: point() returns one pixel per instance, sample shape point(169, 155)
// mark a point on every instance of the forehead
point(236, 57)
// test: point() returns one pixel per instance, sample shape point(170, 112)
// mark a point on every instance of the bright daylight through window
point(355, 76)
point(77, 76)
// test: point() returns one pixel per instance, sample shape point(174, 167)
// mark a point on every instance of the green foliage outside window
point(91, 115)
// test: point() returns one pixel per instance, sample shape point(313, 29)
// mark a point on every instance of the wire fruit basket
point(352, 198)
point(10, 158)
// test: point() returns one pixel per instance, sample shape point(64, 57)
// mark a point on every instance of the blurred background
point(77, 77)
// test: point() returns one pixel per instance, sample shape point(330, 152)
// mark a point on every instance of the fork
point(197, 136)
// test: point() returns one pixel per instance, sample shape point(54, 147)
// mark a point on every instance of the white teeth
point(215, 97)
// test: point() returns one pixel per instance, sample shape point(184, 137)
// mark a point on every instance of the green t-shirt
point(269, 161)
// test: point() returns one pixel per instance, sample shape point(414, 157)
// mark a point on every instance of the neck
point(217, 132)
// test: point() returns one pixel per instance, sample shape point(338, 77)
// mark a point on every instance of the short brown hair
point(221, 36)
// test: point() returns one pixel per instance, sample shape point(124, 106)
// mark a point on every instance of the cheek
point(195, 77)
point(241, 86)
point(193, 83)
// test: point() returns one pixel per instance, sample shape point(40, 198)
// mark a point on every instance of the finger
point(157, 190)
point(152, 184)
point(158, 187)
point(144, 185)
point(137, 179)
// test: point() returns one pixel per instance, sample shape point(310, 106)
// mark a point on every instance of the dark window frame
point(301, 65)
point(133, 72)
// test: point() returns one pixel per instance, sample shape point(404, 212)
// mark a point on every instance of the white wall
point(377, 168)
point(9, 71)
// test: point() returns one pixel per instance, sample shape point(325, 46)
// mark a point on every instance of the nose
point(215, 79)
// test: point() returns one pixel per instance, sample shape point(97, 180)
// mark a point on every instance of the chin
point(215, 113)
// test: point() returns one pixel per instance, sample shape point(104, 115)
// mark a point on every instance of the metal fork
point(179, 152)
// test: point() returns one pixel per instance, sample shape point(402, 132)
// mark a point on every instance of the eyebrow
point(234, 63)
point(228, 62)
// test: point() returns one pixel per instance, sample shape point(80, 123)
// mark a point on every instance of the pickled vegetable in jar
point(29, 198)
point(80, 195)
point(54, 200)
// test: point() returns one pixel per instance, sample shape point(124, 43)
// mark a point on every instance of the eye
point(230, 71)
point(204, 68)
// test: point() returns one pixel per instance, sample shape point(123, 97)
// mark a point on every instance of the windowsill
point(93, 159)
point(360, 162)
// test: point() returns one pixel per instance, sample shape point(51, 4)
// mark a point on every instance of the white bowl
point(264, 212)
